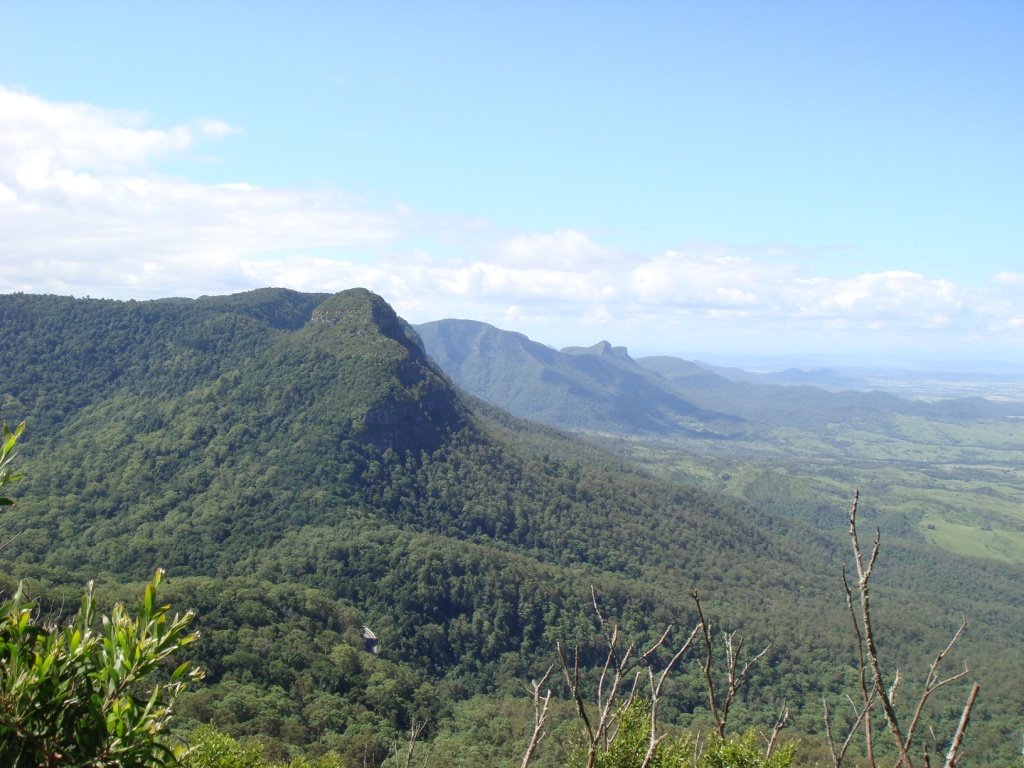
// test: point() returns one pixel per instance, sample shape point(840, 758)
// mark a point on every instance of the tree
point(8, 439)
point(620, 728)
point(88, 692)
point(873, 688)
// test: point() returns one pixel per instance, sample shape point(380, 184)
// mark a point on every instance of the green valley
point(310, 478)
point(950, 473)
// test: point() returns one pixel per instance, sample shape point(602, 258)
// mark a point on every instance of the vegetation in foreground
point(77, 694)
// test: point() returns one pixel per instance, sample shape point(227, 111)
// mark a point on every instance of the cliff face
point(358, 311)
point(403, 401)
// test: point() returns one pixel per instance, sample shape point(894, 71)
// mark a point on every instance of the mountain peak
point(601, 349)
point(360, 311)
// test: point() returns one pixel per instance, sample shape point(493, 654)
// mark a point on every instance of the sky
point(713, 180)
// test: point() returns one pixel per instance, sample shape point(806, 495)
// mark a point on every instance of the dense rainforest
point(308, 477)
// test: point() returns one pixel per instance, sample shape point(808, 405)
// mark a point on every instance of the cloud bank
point(86, 210)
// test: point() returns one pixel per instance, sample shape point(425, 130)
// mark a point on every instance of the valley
point(947, 472)
point(303, 468)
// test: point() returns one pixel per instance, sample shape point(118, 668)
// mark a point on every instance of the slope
point(598, 389)
point(286, 466)
point(797, 450)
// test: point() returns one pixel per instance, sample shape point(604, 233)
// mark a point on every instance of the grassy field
point(959, 485)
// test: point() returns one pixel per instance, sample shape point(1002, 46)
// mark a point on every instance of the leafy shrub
point(88, 692)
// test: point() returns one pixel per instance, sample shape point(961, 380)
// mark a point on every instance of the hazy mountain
point(602, 389)
point(599, 388)
point(823, 378)
point(781, 399)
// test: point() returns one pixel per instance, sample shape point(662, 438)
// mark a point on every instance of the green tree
point(209, 748)
point(88, 693)
point(744, 751)
point(628, 748)
point(8, 439)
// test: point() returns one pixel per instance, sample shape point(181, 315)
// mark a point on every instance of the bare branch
point(613, 690)
point(780, 722)
point(10, 541)
point(650, 651)
point(862, 712)
point(736, 681)
point(415, 730)
point(867, 697)
point(706, 665)
point(657, 686)
point(572, 680)
point(958, 737)
point(933, 682)
point(863, 575)
point(540, 714)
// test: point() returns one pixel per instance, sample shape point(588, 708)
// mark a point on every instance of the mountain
point(822, 378)
point(302, 469)
point(793, 449)
point(599, 388)
point(602, 389)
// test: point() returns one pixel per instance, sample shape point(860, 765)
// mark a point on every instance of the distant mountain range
point(599, 388)
point(602, 389)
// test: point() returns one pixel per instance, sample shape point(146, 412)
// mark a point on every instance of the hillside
point(302, 468)
point(796, 449)
point(602, 389)
point(598, 389)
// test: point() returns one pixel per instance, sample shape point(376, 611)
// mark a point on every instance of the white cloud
point(698, 282)
point(77, 185)
point(566, 249)
point(84, 210)
point(880, 295)
point(1013, 279)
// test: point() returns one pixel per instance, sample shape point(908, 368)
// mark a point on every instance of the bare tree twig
point(780, 722)
point(933, 682)
point(415, 730)
point(958, 737)
point(600, 723)
point(862, 712)
point(709, 658)
point(863, 576)
point(867, 655)
point(540, 714)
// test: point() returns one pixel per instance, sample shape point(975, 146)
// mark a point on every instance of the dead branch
point(540, 714)
point(10, 541)
point(958, 737)
point(868, 659)
point(621, 663)
point(709, 658)
point(933, 682)
point(734, 680)
point(863, 576)
point(780, 722)
point(572, 680)
point(656, 687)
point(415, 730)
point(867, 696)
point(863, 712)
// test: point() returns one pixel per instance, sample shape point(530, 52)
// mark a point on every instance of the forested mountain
point(303, 469)
point(599, 388)
point(602, 389)
point(945, 472)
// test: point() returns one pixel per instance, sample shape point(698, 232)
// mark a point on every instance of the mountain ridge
point(599, 388)
point(238, 438)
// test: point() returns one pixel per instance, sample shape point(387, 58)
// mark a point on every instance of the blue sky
point(712, 179)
